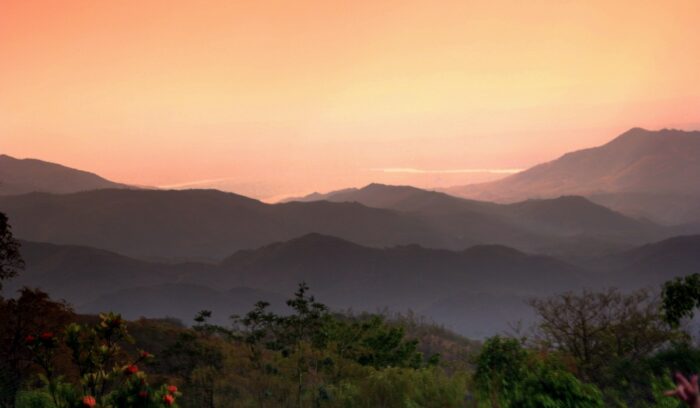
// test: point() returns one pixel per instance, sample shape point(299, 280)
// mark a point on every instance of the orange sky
point(282, 97)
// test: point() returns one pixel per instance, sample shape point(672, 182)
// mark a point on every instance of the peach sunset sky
point(269, 98)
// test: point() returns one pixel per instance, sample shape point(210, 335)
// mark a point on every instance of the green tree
point(500, 369)
point(373, 342)
point(24, 320)
point(681, 297)
point(509, 376)
point(549, 385)
point(107, 376)
point(10, 259)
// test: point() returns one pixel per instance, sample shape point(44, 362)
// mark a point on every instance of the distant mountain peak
point(637, 162)
point(639, 135)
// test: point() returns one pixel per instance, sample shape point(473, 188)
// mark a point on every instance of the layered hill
point(21, 176)
point(649, 265)
point(640, 172)
point(209, 224)
point(574, 220)
point(197, 224)
point(342, 274)
point(476, 291)
point(82, 274)
point(400, 277)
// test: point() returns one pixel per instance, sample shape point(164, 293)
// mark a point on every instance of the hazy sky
point(283, 97)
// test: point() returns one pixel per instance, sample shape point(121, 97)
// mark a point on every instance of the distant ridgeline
point(466, 263)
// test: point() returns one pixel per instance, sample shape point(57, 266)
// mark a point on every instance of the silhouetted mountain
point(350, 275)
point(666, 208)
point(210, 224)
point(536, 220)
point(194, 224)
point(577, 215)
point(342, 274)
point(639, 164)
point(651, 264)
point(404, 198)
point(21, 176)
point(94, 280)
point(82, 274)
point(477, 291)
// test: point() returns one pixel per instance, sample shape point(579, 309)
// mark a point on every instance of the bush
point(34, 399)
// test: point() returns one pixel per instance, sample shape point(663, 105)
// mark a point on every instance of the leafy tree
point(681, 297)
point(548, 385)
point(509, 376)
point(10, 259)
point(500, 367)
point(197, 361)
point(106, 376)
point(27, 317)
point(371, 341)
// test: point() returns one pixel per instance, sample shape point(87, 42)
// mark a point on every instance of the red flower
point(168, 399)
point(143, 394)
point(30, 339)
point(46, 336)
point(132, 369)
point(89, 401)
point(145, 354)
point(172, 389)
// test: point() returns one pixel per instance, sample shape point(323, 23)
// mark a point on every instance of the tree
point(29, 316)
point(500, 367)
point(596, 328)
point(371, 341)
point(681, 297)
point(100, 373)
point(548, 385)
point(10, 259)
point(508, 375)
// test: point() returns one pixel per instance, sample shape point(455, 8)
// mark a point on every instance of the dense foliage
point(681, 297)
point(311, 357)
point(10, 260)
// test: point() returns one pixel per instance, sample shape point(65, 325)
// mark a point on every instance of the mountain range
point(209, 224)
point(476, 291)
point(625, 214)
point(20, 176)
point(653, 174)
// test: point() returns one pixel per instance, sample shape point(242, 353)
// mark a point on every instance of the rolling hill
point(210, 224)
point(649, 265)
point(572, 219)
point(197, 224)
point(401, 277)
point(636, 173)
point(342, 274)
point(21, 176)
point(476, 291)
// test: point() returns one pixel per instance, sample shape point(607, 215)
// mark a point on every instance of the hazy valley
point(467, 264)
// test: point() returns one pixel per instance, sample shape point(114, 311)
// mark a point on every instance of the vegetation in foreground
point(589, 350)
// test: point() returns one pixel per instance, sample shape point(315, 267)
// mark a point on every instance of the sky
point(276, 98)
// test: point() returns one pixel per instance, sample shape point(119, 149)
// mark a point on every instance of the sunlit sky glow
point(271, 98)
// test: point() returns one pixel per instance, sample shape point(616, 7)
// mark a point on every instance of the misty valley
point(571, 281)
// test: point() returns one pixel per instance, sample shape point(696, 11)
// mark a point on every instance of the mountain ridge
point(639, 161)
point(210, 224)
point(484, 283)
point(21, 176)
